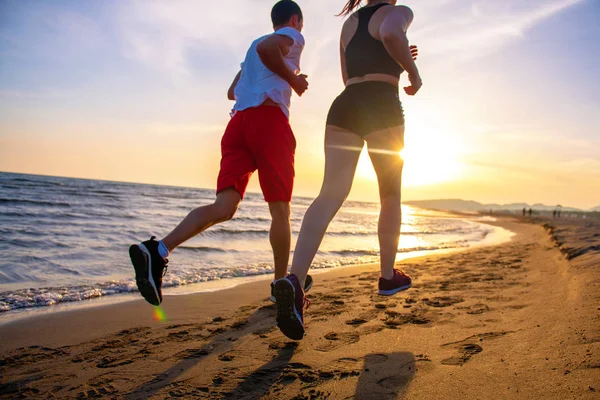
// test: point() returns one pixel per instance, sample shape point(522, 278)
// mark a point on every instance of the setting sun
point(424, 165)
point(429, 158)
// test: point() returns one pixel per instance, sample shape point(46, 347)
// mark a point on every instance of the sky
point(135, 90)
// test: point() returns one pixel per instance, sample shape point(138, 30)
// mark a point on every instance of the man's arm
point(271, 51)
point(393, 35)
point(230, 92)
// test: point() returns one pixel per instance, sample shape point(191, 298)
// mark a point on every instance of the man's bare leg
point(280, 236)
point(202, 218)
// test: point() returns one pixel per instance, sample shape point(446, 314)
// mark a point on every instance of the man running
point(258, 137)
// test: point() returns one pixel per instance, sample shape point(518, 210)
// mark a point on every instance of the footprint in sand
point(467, 348)
point(394, 319)
point(336, 340)
point(465, 352)
point(99, 393)
point(443, 301)
point(173, 326)
point(368, 330)
point(279, 345)
point(113, 362)
point(517, 306)
point(356, 321)
point(226, 357)
point(500, 298)
point(194, 353)
point(32, 354)
point(474, 309)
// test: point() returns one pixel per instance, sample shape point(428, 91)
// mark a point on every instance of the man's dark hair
point(284, 10)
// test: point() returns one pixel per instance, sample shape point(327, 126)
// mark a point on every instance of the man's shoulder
point(292, 33)
point(258, 40)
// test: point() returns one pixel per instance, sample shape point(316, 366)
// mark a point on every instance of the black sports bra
point(367, 55)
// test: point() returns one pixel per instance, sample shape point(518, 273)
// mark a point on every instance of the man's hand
point(415, 85)
point(231, 91)
point(299, 84)
point(414, 51)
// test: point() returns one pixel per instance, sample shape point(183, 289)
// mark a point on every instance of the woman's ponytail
point(349, 7)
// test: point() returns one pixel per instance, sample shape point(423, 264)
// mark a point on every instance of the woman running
point(374, 52)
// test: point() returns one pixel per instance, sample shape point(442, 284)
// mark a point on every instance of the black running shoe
point(290, 307)
point(150, 268)
point(308, 283)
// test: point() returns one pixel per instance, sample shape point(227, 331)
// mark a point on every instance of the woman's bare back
point(381, 16)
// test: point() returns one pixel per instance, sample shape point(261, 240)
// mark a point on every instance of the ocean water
point(66, 240)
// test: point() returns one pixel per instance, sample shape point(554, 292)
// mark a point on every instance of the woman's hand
point(415, 85)
point(415, 81)
point(414, 51)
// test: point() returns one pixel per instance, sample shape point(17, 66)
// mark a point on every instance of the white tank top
point(258, 83)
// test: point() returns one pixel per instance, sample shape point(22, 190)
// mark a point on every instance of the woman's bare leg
point(342, 150)
point(384, 151)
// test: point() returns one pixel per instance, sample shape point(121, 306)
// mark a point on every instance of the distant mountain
point(447, 204)
point(597, 209)
point(470, 206)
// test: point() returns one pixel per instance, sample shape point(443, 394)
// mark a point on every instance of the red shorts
point(259, 138)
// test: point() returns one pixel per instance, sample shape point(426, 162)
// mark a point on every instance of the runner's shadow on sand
point(386, 376)
point(260, 381)
point(219, 344)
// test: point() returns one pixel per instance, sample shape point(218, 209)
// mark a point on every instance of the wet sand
point(513, 321)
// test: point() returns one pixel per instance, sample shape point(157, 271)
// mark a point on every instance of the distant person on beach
point(554, 214)
point(258, 137)
point(374, 52)
point(524, 211)
point(530, 211)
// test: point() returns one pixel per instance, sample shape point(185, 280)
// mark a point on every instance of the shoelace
point(305, 303)
point(166, 260)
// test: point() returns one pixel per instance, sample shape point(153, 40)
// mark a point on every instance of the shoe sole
point(394, 291)
point(288, 318)
point(306, 289)
point(142, 264)
point(310, 283)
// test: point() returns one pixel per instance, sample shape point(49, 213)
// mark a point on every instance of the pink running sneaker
point(398, 283)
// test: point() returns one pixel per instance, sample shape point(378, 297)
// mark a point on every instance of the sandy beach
point(520, 320)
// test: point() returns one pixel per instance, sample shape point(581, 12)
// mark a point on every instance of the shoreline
point(494, 238)
point(514, 321)
point(256, 287)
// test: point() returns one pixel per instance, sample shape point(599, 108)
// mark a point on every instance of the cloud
point(32, 95)
point(474, 29)
point(159, 33)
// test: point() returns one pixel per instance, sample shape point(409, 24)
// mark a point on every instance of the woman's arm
point(393, 35)
point(343, 63)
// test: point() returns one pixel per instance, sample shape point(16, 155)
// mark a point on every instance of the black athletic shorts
point(367, 107)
